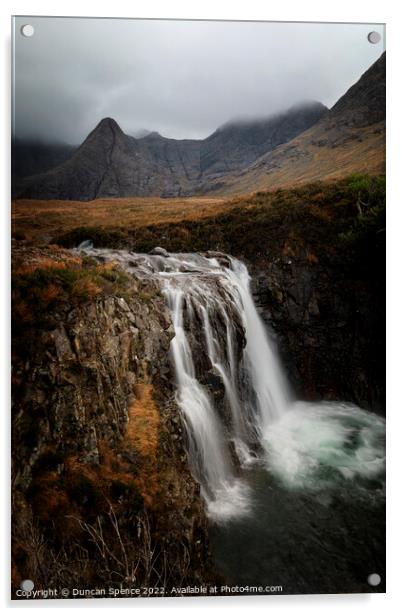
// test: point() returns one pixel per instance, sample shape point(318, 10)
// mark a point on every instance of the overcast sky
point(180, 78)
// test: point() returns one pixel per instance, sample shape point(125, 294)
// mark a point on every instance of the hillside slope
point(31, 158)
point(350, 138)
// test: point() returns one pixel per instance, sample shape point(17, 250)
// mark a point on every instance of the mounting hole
point(27, 585)
point(374, 37)
point(27, 30)
point(374, 579)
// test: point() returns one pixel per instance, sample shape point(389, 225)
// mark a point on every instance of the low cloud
point(182, 79)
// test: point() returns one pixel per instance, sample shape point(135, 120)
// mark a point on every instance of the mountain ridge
point(110, 163)
point(305, 143)
point(349, 138)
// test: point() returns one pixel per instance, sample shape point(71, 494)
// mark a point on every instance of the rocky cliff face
point(101, 486)
point(324, 322)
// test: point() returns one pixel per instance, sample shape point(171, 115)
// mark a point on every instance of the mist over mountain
point(237, 144)
point(350, 138)
point(33, 157)
point(307, 142)
point(110, 163)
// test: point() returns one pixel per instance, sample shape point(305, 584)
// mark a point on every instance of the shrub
point(84, 491)
point(84, 289)
point(100, 237)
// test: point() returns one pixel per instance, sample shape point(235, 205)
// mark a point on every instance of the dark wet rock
point(327, 329)
point(215, 384)
point(221, 257)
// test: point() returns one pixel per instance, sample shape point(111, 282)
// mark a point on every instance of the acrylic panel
point(198, 273)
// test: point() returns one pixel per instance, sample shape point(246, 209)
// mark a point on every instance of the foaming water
point(317, 445)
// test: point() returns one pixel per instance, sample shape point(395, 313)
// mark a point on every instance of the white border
point(387, 11)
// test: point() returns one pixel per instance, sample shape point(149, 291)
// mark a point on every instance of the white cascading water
point(270, 386)
point(208, 454)
point(304, 445)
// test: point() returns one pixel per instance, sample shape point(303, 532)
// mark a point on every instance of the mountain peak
point(105, 132)
point(153, 135)
point(141, 133)
point(307, 104)
point(107, 125)
point(255, 154)
point(108, 122)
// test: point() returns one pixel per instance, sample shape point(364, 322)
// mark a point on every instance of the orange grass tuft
point(142, 434)
point(143, 423)
point(86, 289)
point(50, 293)
point(46, 263)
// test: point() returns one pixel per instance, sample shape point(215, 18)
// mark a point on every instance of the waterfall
point(219, 335)
point(272, 391)
point(208, 453)
point(215, 297)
